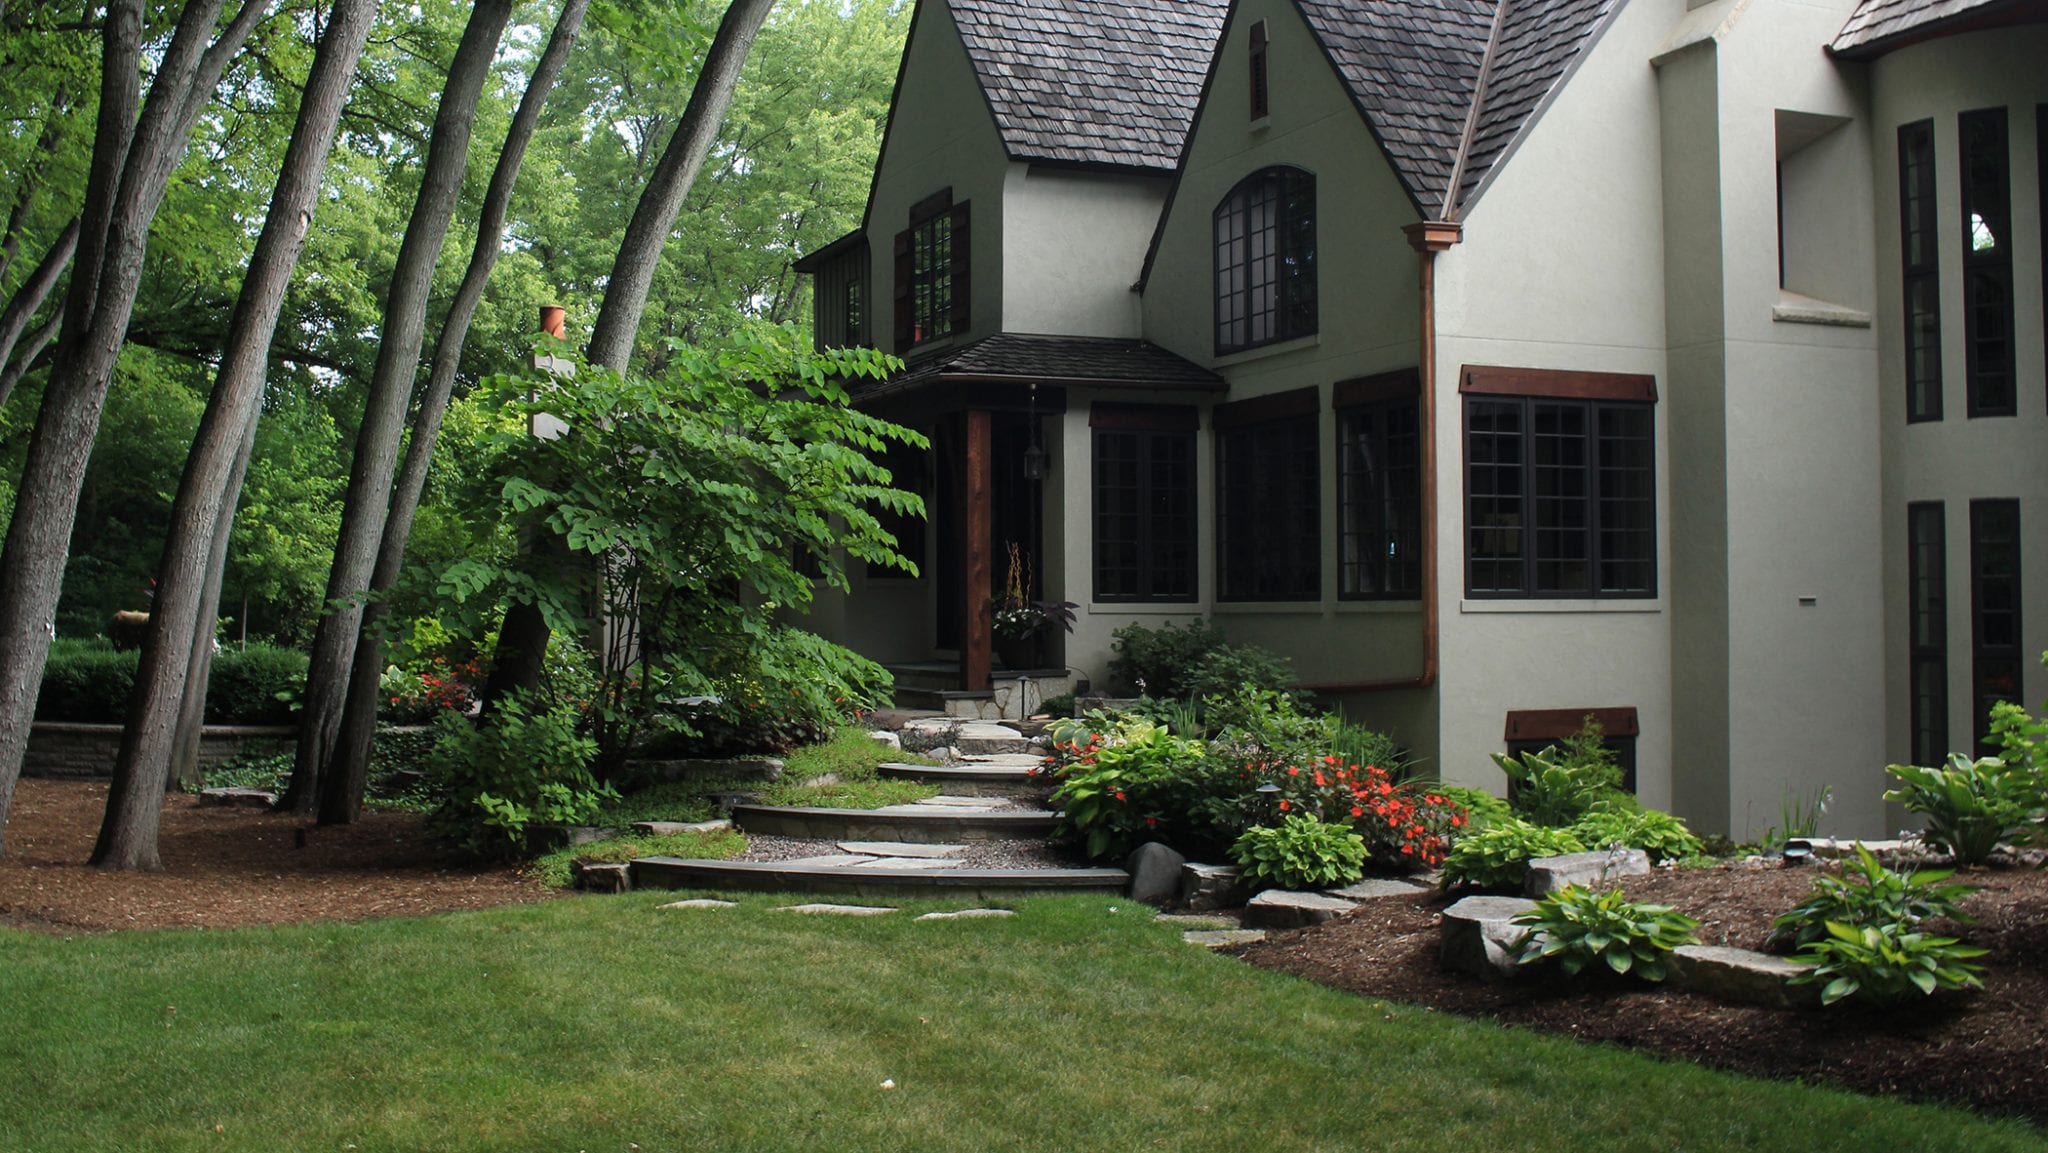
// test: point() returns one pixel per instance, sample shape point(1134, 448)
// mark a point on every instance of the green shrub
point(1886, 964)
point(1550, 789)
point(1160, 662)
point(1358, 745)
point(523, 769)
point(1255, 725)
point(1498, 858)
point(86, 681)
point(268, 768)
point(1577, 927)
point(1119, 782)
point(1970, 806)
point(257, 685)
point(1867, 893)
point(1223, 673)
point(1300, 852)
point(1663, 836)
point(786, 688)
point(1058, 707)
point(1483, 810)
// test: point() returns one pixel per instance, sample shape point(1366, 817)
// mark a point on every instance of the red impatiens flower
point(1356, 811)
point(1284, 806)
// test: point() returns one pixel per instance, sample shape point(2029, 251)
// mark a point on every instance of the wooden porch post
point(975, 634)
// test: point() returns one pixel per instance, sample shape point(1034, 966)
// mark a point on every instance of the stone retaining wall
point(78, 751)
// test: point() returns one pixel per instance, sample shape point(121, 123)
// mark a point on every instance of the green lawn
point(602, 1023)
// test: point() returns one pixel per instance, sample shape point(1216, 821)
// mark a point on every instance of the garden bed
point(1984, 1049)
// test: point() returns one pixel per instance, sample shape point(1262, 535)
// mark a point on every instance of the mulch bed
point(231, 866)
point(1987, 1050)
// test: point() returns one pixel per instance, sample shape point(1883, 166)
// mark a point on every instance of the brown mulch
point(231, 866)
point(1987, 1050)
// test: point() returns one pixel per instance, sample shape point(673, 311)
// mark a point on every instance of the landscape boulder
point(1549, 874)
point(1155, 873)
point(1480, 936)
point(1281, 909)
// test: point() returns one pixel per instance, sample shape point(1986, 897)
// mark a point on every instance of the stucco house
point(1496, 362)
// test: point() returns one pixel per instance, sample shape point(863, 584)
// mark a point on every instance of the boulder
point(603, 878)
point(1730, 974)
point(1280, 909)
point(1549, 874)
point(1155, 873)
point(1204, 888)
point(238, 798)
point(1479, 936)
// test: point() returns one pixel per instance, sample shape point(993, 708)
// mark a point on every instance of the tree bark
point(132, 162)
point(523, 637)
point(341, 794)
point(14, 320)
point(211, 485)
point(368, 498)
point(31, 350)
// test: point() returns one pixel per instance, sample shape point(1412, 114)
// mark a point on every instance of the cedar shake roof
point(1415, 69)
point(1878, 26)
point(1021, 358)
point(1109, 82)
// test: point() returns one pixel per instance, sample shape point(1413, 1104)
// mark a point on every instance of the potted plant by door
point(1020, 623)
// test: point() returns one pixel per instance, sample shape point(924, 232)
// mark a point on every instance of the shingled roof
point(1110, 82)
point(1027, 358)
point(1415, 68)
point(1878, 26)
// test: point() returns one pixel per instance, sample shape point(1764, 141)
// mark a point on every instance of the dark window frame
point(1920, 265)
point(1160, 442)
point(1269, 498)
point(1927, 630)
point(1264, 243)
point(932, 263)
point(1379, 498)
point(1984, 149)
point(1994, 663)
point(1603, 401)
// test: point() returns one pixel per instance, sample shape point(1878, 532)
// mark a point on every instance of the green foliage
point(257, 685)
point(1223, 674)
point(1577, 927)
point(1498, 857)
point(1798, 817)
point(1119, 780)
point(1560, 784)
point(1867, 893)
point(1061, 706)
point(556, 868)
point(88, 681)
point(1483, 810)
point(1663, 836)
point(1266, 727)
point(1300, 852)
point(1355, 744)
point(1970, 806)
point(265, 768)
point(525, 768)
point(1159, 663)
point(790, 689)
point(1886, 964)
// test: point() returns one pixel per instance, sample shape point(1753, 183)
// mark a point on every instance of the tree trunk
point(30, 351)
point(341, 798)
point(523, 637)
point(33, 292)
point(191, 723)
point(132, 162)
point(211, 485)
point(398, 356)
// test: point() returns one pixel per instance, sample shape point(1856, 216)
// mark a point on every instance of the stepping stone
point(1221, 938)
point(238, 798)
point(907, 863)
point(1373, 888)
point(1197, 920)
point(886, 739)
point(836, 910)
point(673, 828)
point(968, 915)
point(1480, 936)
point(1280, 909)
point(829, 861)
point(900, 849)
point(1026, 761)
point(1729, 974)
point(980, 804)
point(935, 806)
point(700, 903)
point(1549, 874)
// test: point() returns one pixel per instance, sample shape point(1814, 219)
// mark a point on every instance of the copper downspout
point(1427, 238)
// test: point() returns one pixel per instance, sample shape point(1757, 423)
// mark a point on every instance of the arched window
point(1266, 260)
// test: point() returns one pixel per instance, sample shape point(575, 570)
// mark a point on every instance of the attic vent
point(1261, 103)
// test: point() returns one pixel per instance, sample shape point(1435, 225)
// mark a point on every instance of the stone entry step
point(872, 880)
point(923, 824)
point(1001, 775)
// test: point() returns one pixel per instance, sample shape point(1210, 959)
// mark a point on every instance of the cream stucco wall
point(1073, 242)
point(1957, 459)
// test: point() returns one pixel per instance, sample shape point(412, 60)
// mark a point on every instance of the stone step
point(973, 778)
point(919, 824)
point(871, 881)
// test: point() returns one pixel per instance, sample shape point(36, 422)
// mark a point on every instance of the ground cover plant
point(605, 1023)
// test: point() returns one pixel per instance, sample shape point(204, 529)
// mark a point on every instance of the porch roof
point(1029, 358)
point(1878, 26)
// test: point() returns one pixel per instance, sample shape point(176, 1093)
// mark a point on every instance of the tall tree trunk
point(523, 637)
point(37, 341)
point(132, 162)
point(14, 320)
point(398, 360)
point(206, 499)
point(348, 772)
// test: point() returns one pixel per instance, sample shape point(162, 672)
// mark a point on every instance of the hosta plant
point(1550, 789)
point(1868, 893)
point(1970, 806)
point(1577, 927)
point(1886, 964)
point(1498, 858)
point(1300, 852)
point(1659, 834)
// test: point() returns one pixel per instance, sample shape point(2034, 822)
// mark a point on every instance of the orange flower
point(1284, 806)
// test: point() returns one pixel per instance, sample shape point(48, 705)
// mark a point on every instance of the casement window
point(1996, 662)
point(932, 285)
point(1560, 484)
point(1144, 494)
point(1534, 730)
point(1927, 628)
point(1987, 264)
point(1920, 259)
point(1268, 519)
point(1262, 104)
point(1379, 487)
point(1266, 260)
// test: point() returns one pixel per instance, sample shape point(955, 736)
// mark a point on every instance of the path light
point(1269, 791)
point(1798, 851)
